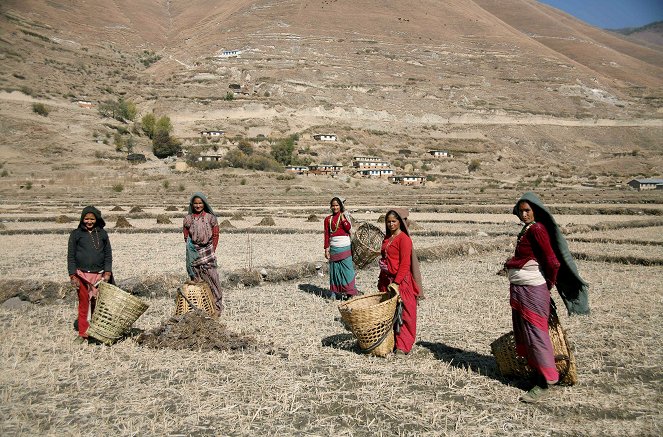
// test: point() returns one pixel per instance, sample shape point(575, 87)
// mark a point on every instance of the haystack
point(267, 221)
point(171, 208)
point(135, 209)
point(63, 219)
point(381, 218)
point(197, 332)
point(122, 222)
point(237, 216)
point(117, 208)
point(313, 218)
point(163, 219)
point(226, 225)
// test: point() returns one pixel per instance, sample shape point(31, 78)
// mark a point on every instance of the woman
point(89, 261)
point(399, 272)
point(532, 271)
point(201, 234)
point(338, 251)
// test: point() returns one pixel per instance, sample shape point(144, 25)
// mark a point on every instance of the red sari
point(396, 258)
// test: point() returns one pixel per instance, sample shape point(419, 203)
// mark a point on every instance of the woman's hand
point(394, 287)
point(107, 276)
point(327, 253)
point(73, 280)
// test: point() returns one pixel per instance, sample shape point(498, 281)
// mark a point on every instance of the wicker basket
point(509, 364)
point(199, 294)
point(371, 320)
point(115, 312)
point(366, 244)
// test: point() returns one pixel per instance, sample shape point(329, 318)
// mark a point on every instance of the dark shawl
point(573, 290)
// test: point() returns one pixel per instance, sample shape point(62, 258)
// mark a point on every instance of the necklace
point(331, 223)
point(96, 243)
point(523, 230)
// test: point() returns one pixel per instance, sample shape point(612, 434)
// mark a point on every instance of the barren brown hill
point(520, 87)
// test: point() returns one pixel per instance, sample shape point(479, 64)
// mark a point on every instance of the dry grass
point(316, 383)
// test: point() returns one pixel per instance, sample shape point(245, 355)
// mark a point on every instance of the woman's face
point(89, 221)
point(335, 206)
point(525, 213)
point(198, 205)
point(393, 225)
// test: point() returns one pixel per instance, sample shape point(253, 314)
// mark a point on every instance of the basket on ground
point(115, 312)
point(199, 294)
point(366, 244)
point(371, 320)
point(509, 364)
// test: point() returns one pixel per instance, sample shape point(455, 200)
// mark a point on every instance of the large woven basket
point(509, 364)
point(366, 244)
point(199, 294)
point(371, 320)
point(115, 312)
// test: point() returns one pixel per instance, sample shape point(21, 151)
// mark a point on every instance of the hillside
point(523, 88)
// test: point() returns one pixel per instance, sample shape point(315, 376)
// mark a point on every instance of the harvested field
point(300, 373)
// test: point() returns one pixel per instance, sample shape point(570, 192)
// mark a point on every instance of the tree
point(148, 122)
point(163, 145)
point(127, 109)
point(163, 124)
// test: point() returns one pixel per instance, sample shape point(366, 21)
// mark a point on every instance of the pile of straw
point(266, 221)
point(122, 222)
point(163, 219)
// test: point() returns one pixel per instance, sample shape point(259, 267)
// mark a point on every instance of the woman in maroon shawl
point(201, 234)
point(532, 273)
point(399, 272)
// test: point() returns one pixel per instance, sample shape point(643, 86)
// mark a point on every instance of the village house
point(440, 153)
point(325, 169)
point(375, 173)
point(646, 184)
point(408, 180)
point(229, 54)
point(371, 164)
point(211, 133)
point(297, 169)
point(210, 157)
point(324, 137)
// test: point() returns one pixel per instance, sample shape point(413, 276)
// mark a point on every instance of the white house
point(210, 156)
point(375, 173)
point(324, 137)
point(371, 164)
point(211, 133)
point(440, 153)
point(408, 180)
point(229, 54)
point(646, 184)
point(366, 158)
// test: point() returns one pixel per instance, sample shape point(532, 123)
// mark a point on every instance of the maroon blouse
point(535, 245)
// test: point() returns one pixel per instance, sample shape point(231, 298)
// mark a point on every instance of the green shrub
point(4, 173)
point(285, 177)
point(242, 182)
point(181, 187)
point(40, 109)
point(118, 188)
point(28, 185)
point(474, 165)
point(165, 184)
point(229, 96)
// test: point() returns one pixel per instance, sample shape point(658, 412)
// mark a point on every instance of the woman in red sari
point(399, 272)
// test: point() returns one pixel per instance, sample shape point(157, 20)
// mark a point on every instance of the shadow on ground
point(479, 363)
point(318, 291)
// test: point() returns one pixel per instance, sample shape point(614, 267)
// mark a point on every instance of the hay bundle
point(226, 225)
point(117, 208)
point(237, 216)
point(381, 218)
point(63, 219)
point(313, 218)
point(195, 331)
point(135, 209)
point(171, 208)
point(266, 221)
point(163, 219)
point(122, 222)
point(413, 226)
point(35, 291)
